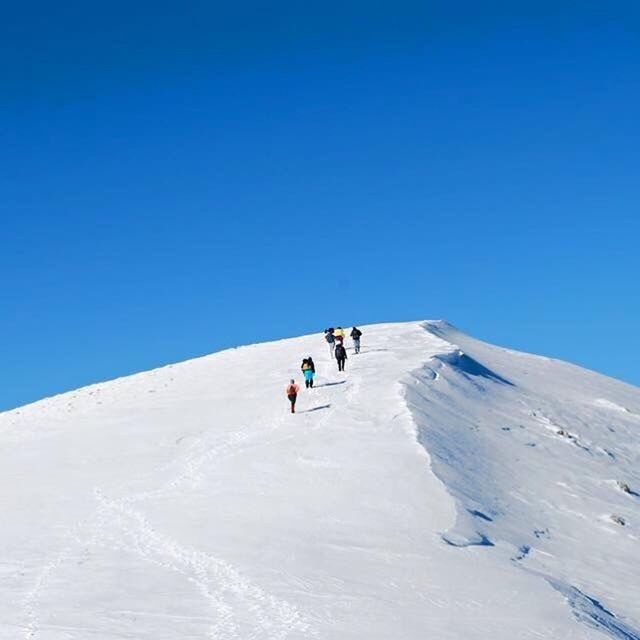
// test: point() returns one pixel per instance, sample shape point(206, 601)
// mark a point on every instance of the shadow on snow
point(467, 366)
point(323, 406)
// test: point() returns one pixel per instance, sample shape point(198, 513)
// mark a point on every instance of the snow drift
point(441, 487)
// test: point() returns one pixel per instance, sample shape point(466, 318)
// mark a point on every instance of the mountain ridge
point(441, 485)
point(433, 326)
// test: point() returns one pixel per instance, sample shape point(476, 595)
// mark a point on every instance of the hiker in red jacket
point(292, 394)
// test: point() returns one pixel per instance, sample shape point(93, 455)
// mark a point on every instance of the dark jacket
point(356, 333)
point(341, 352)
point(328, 336)
point(308, 363)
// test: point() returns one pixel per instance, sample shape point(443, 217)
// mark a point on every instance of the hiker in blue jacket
point(308, 371)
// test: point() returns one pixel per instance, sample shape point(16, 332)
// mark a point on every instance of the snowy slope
point(440, 488)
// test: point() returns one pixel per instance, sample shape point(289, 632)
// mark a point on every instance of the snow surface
point(440, 488)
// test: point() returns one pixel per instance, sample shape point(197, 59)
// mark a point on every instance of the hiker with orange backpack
point(292, 394)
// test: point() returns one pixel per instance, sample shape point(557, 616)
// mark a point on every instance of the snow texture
point(440, 488)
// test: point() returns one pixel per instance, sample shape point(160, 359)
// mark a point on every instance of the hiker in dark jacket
point(341, 356)
point(355, 334)
point(331, 341)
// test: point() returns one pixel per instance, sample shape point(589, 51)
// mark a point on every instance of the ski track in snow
point(214, 578)
point(117, 525)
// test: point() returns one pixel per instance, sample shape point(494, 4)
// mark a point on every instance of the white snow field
point(441, 488)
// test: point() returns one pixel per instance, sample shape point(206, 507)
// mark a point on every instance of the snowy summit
point(439, 487)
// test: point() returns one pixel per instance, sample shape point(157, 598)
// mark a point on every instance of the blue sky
point(182, 177)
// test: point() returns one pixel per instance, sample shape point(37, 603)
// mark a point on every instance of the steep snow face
point(542, 459)
point(440, 487)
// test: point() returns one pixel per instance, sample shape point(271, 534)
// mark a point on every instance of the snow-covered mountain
point(440, 488)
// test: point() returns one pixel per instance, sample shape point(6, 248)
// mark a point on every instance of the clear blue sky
point(186, 176)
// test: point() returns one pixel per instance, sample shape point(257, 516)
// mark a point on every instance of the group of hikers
point(335, 340)
point(337, 351)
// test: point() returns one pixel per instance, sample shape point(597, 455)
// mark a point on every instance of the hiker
point(341, 356)
point(308, 371)
point(338, 334)
point(331, 341)
point(355, 334)
point(292, 394)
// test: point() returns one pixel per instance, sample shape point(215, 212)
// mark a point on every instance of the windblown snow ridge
point(469, 367)
point(534, 466)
